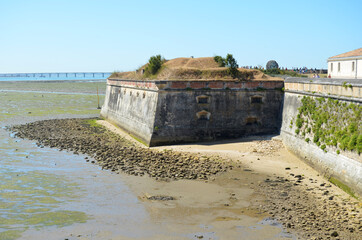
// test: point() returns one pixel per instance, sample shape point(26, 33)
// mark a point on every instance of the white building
point(346, 65)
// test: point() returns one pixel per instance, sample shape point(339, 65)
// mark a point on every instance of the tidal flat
point(32, 195)
point(46, 193)
point(67, 86)
point(50, 194)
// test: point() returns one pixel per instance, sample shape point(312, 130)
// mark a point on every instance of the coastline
point(239, 202)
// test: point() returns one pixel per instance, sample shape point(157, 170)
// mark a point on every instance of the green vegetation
point(229, 62)
point(276, 71)
point(32, 199)
point(154, 65)
point(342, 186)
point(345, 85)
point(139, 140)
point(57, 86)
point(232, 66)
point(220, 60)
point(93, 123)
point(330, 123)
point(42, 104)
point(11, 234)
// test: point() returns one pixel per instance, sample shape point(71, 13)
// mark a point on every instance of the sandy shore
point(277, 185)
point(250, 188)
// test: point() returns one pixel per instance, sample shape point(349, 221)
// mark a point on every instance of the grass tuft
point(342, 186)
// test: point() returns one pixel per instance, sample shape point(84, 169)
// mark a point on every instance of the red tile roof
point(354, 53)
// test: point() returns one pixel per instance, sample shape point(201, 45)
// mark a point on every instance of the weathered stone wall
point(346, 166)
point(197, 115)
point(131, 108)
point(166, 112)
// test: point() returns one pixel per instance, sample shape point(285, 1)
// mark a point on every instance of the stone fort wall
point(346, 165)
point(167, 112)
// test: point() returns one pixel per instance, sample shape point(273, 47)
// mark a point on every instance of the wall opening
point(203, 115)
point(331, 67)
point(203, 99)
point(339, 67)
point(352, 66)
point(256, 99)
point(251, 120)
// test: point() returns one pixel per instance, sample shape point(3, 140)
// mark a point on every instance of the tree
point(229, 62)
point(220, 60)
point(232, 65)
point(154, 64)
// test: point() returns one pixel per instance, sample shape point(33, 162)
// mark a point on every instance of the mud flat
point(78, 200)
point(114, 153)
point(175, 207)
point(85, 87)
point(224, 185)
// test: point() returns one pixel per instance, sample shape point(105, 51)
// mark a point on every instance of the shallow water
point(43, 188)
point(32, 193)
point(26, 105)
point(90, 87)
point(48, 194)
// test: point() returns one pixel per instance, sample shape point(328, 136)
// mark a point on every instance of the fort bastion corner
point(318, 119)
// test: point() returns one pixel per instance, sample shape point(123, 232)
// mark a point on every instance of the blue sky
point(108, 35)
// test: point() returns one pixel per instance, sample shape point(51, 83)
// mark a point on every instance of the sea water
point(90, 76)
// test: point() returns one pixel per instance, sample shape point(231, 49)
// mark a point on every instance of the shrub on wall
point(220, 60)
point(232, 66)
point(330, 123)
point(229, 62)
point(154, 65)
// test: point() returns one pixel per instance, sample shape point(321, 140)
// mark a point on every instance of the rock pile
point(115, 153)
point(312, 210)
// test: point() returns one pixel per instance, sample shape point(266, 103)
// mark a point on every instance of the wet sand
point(222, 207)
point(281, 187)
point(112, 206)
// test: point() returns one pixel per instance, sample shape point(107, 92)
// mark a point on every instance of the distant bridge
point(101, 75)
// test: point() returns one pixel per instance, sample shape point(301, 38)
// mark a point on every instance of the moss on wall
point(327, 122)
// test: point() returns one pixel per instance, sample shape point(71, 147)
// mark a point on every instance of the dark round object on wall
point(272, 64)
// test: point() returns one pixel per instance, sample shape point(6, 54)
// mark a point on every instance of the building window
point(352, 66)
point(339, 67)
point(331, 67)
point(203, 99)
point(256, 99)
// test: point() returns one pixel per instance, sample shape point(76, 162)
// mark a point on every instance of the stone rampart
point(322, 151)
point(167, 112)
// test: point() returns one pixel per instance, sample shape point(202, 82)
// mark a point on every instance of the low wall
point(298, 131)
point(166, 112)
